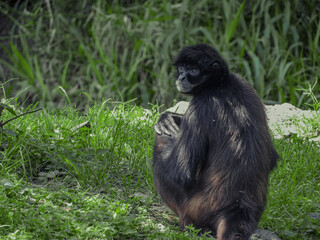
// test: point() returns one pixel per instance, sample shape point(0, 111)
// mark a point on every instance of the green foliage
point(310, 93)
point(96, 176)
point(295, 191)
point(66, 175)
point(122, 51)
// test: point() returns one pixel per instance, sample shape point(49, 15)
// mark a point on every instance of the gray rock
point(179, 108)
point(261, 234)
point(315, 215)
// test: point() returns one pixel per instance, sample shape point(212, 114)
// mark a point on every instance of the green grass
point(122, 51)
point(59, 180)
point(294, 191)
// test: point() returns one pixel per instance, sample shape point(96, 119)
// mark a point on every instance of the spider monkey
point(212, 164)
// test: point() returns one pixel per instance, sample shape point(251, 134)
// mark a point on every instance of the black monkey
point(212, 164)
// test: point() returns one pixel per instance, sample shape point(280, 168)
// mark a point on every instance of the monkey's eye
point(181, 69)
point(215, 64)
point(194, 71)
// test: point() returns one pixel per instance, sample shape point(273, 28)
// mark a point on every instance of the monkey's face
point(189, 77)
point(199, 68)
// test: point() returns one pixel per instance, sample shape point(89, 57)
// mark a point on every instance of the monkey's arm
point(181, 148)
point(188, 154)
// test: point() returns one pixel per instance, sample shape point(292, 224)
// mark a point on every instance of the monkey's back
point(233, 181)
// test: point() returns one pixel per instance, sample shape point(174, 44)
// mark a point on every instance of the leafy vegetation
point(124, 49)
point(66, 175)
point(70, 174)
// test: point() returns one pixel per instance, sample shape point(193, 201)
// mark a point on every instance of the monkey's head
point(199, 67)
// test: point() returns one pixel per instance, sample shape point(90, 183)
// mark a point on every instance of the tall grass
point(124, 51)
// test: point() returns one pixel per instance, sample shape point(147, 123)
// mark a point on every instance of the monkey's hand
point(168, 124)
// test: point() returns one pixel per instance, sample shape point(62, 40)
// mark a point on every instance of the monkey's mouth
point(184, 88)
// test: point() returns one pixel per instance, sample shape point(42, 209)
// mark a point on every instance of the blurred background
point(56, 52)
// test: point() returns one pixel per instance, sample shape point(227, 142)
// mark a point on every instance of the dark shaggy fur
point(214, 172)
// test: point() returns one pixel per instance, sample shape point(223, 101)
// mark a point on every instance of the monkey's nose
point(182, 78)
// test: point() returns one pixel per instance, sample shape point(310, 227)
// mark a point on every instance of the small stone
point(314, 215)
point(262, 234)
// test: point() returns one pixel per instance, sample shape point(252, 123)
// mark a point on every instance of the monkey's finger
point(173, 123)
point(165, 128)
point(170, 127)
point(160, 129)
point(157, 129)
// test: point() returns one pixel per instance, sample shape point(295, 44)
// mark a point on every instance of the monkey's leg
point(233, 228)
